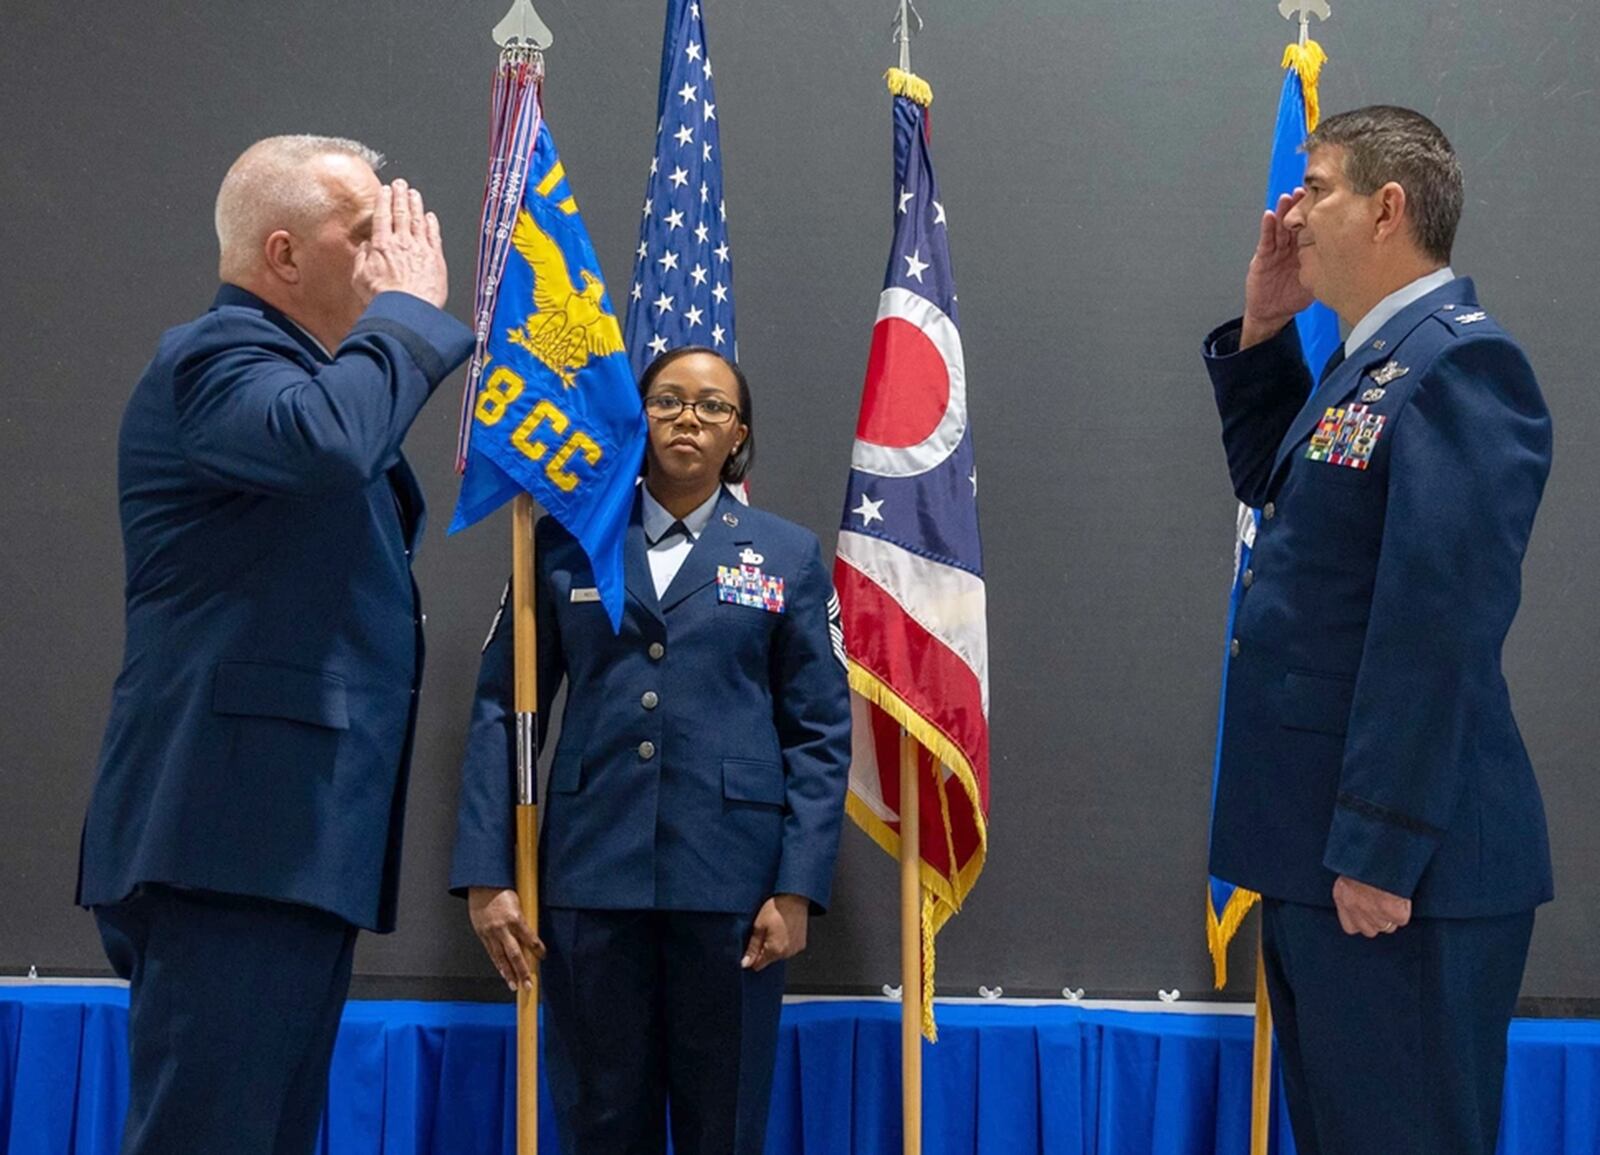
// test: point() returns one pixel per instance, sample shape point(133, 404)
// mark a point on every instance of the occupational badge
point(1388, 372)
point(1372, 395)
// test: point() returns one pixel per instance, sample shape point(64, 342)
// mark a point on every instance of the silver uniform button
point(1249, 578)
point(647, 750)
point(1233, 649)
point(1269, 511)
point(649, 701)
point(657, 651)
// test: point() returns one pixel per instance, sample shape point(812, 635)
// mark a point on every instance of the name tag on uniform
point(746, 585)
point(1346, 435)
point(585, 594)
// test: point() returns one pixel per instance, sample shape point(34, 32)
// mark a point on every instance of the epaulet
point(1464, 319)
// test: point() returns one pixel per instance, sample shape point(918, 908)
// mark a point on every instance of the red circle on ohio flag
point(907, 389)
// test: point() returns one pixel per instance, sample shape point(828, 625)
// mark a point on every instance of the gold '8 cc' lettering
point(542, 412)
point(503, 387)
point(556, 471)
point(580, 443)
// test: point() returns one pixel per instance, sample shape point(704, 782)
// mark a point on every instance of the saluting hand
point(512, 944)
point(1273, 293)
point(1366, 910)
point(405, 253)
point(780, 931)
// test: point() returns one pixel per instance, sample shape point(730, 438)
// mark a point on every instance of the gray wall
point(1103, 165)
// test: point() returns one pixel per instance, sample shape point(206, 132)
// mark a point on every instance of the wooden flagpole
point(1261, 1063)
point(910, 947)
point(526, 701)
point(522, 35)
point(910, 857)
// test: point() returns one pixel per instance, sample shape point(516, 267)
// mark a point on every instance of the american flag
point(909, 567)
point(682, 292)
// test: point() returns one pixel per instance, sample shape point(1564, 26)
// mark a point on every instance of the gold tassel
point(930, 1029)
point(1308, 62)
point(1219, 933)
point(910, 86)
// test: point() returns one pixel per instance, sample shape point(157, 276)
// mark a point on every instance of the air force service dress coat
point(260, 731)
point(704, 750)
point(1368, 729)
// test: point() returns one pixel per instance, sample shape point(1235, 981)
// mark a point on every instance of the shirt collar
point(307, 334)
point(657, 520)
point(1384, 310)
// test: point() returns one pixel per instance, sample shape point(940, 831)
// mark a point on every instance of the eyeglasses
point(711, 410)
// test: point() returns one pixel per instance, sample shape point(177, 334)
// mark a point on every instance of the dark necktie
point(673, 530)
point(1333, 363)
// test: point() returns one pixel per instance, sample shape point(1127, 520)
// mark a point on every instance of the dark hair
point(740, 462)
point(1383, 143)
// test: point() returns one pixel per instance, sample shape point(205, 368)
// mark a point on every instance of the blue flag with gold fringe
point(1226, 904)
point(556, 411)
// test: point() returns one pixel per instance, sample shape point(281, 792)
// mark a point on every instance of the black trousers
point(233, 1009)
point(1394, 1045)
point(649, 1016)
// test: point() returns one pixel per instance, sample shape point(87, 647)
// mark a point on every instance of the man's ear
point(278, 250)
point(1390, 219)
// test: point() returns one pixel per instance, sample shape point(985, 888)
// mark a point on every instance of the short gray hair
point(265, 189)
point(1383, 143)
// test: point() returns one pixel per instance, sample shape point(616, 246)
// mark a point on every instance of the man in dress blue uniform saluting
point(247, 813)
point(1373, 787)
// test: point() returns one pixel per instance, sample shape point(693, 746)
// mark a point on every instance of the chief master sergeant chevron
point(247, 813)
point(1373, 785)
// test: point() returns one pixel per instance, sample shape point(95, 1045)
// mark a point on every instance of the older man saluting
point(250, 797)
point(1373, 786)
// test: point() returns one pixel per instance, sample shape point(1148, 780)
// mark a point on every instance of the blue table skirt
point(414, 1078)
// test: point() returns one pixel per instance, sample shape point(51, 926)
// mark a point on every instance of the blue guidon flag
point(682, 292)
point(1226, 904)
point(909, 569)
point(552, 407)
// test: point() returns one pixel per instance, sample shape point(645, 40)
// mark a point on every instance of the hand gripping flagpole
point(911, 1008)
point(523, 37)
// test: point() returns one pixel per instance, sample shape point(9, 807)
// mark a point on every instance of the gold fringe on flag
point(910, 86)
point(1220, 932)
point(941, 896)
point(1307, 60)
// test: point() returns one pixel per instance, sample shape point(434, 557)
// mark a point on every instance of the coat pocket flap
point(268, 690)
point(1319, 703)
point(747, 780)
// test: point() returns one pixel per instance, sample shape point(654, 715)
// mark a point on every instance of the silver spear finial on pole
point(1305, 10)
point(901, 26)
point(522, 28)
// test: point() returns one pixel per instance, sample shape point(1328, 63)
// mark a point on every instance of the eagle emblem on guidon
point(905, 427)
point(568, 325)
